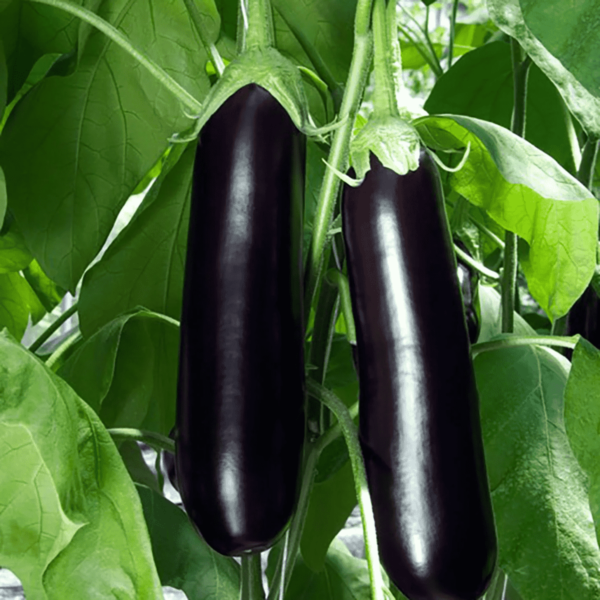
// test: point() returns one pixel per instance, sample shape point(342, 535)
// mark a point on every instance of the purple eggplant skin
point(584, 318)
point(240, 405)
point(419, 415)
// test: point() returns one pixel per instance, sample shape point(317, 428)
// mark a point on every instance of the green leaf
point(28, 31)
point(481, 85)
point(144, 266)
point(71, 524)
point(564, 45)
point(127, 371)
point(413, 59)
point(547, 543)
point(184, 561)
point(342, 578)
point(529, 193)
point(582, 417)
point(428, 2)
point(138, 470)
point(327, 26)
point(3, 99)
point(14, 255)
point(331, 503)
point(3, 201)
point(17, 302)
point(75, 147)
point(44, 288)
point(489, 312)
point(469, 36)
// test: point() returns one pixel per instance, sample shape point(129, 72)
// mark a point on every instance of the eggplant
point(419, 424)
point(240, 405)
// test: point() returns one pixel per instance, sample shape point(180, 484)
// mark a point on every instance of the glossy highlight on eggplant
point(240, 409)
point(419, 415)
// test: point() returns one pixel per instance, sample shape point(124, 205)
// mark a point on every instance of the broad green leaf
point(17, 302)
point(127, 371)
point(489, 312)
point(564, 43)
point(211, 20)
point(29, 31)
point(469, 36)
point(183, 560)
point(481, 85)
point(44, 288)
point(138, 470)
point(582, 417)
point(331, 503)
point(547, 543)
point(76, 146)
point(529, 193)
point(342, 578)
point(413, 59)
point(14, 255)
point(2, 197)
point(3, 98)
point(71, 524)
point(144, 266)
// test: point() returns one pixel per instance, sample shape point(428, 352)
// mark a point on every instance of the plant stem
point(514, 341)
point(65, 347)
point(433, 61)
point(360, 481)
point(387, 63)
point(476, 265)
point(425, 55)
point(509, 271)
point(320, 347)
point(338, 154)
point(321, 67)
point(260, 32)
point(209, 46)
point(334, 432)
point(118, 38)
point(252, 588)
point(438, 71)
point(54, 326)
point(341, 281)
point(285, 568)
point(151, 438)
point(587, 167)
point(452, 32)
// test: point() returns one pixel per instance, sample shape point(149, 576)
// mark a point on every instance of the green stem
point(439, 71)
point(338, 154)
point(252, 588)
point(47, 333)
point(476, 265)
point(452, 33)
point(386, 60)
point(210, 48)
point(520, 67)
point(285, 567)
point(425, 55)
point(151, 438)
point(433, 60)
point(360, 481)
point(509, 271)
point(334, 432)
point(63, 349)
point(587, 167)
point(514, 341)
point(260, 32)
point(321, 67)
point(320, 348)
point(341, 281)
point(118, 38)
